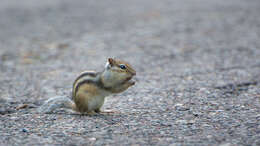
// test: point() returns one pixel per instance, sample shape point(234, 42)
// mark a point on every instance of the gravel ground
point(197, 62)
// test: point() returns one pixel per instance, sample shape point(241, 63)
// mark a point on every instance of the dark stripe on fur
point(98, 83)
point(81, 83)
point(92, 74)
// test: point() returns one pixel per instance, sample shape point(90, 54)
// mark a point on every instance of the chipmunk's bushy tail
point(55, 103)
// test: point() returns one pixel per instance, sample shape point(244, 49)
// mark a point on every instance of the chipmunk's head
point(118, 72)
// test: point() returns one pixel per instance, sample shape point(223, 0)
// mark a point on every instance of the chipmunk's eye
point(122, 66)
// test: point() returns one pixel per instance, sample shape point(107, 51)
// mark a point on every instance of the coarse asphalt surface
point(197, 63)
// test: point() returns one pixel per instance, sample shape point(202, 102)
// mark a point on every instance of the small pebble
point(24, 130)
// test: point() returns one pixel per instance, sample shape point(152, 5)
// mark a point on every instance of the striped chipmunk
point(90, 88)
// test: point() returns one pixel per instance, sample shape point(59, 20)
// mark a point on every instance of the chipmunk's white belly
point(97, 101)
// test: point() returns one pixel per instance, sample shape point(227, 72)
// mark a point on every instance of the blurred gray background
point(197, 63)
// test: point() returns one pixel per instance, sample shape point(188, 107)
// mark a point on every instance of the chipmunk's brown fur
point(90, 88)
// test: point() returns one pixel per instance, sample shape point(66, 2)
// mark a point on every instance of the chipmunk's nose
point(134, 73)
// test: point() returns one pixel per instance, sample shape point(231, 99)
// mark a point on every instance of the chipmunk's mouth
point(128, 80)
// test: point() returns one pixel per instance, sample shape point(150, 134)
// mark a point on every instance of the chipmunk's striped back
point(84, 77)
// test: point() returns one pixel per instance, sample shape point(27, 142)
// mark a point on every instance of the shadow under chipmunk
point(108, 117)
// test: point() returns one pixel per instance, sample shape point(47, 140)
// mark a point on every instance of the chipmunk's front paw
point(131, 83)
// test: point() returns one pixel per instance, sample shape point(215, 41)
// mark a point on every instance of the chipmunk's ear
point(111, 61)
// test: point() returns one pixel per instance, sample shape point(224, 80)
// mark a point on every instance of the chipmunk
point(90, 88)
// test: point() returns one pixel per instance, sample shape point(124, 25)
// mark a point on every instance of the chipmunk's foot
point(109, 112)
point(90, 113)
